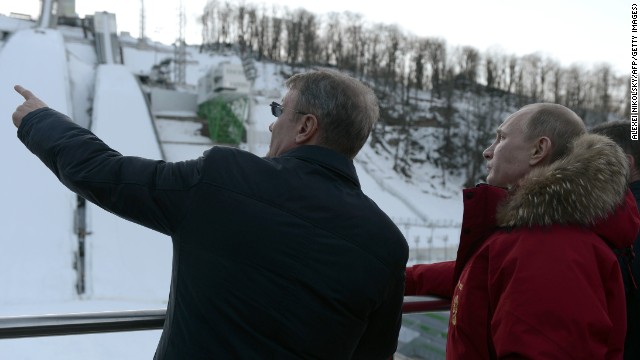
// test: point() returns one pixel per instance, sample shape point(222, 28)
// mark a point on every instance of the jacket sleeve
point(430, 279)
point(556, 294)
point(380, 338)
point(148, 192)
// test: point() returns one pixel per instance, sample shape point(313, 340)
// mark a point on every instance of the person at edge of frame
point(620, 132)
point(535, 276)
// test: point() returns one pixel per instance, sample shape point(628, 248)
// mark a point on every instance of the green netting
point(224, 125)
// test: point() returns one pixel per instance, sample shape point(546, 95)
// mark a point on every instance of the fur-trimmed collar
point(582, 188)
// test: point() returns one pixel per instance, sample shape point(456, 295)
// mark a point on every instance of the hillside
point(127, 267)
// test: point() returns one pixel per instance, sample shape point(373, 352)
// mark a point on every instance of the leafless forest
point(440, 102)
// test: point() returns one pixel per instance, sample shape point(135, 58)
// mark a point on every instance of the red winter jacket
point(535, 275)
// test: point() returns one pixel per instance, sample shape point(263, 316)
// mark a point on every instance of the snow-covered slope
point(125, 260)
point(36, 212)
point(129, 266)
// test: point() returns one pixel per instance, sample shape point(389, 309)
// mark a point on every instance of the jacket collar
point(586, 188)
point(326, 158)
point(583, 188)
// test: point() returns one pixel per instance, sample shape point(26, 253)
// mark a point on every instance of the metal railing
point(12, 327)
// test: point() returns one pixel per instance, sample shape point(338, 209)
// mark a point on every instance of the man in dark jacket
point(620, 132)
point(280, 257)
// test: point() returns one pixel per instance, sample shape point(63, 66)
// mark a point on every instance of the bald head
point(536, 135)
point(556, 122)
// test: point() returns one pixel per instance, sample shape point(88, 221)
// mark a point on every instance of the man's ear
point(307, 130)
point(631, 160)
point(541, 151)
point(633, 169)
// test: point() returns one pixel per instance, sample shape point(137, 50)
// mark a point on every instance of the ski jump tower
point(106, 37)
point(223, 99)
point(50, 10)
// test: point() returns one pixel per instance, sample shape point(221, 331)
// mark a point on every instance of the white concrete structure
point(226, 78)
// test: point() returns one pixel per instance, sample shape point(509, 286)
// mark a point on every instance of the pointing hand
point(31, 103)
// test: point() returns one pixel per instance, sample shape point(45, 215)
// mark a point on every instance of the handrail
point(80, 323)
point(13, 327)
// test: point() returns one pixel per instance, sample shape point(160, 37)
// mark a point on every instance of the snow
point(82, 59)
point(181, 131)
point(121, 118)
point(128, 266)
point(140, 61)
point(120, 114)
point(10, 24)
point(35, 210)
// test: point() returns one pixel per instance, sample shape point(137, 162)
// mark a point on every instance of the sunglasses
point(277, 109)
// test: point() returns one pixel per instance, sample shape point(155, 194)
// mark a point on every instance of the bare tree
point(354, 46)
point(294, 26)
point(252, 32)
point(419, 60)
point(436, 50)
point(262, 33)
point(467, 59)
point(241, 25)
point(448, 148)
point(392, 41)
point(491, 71)
point(332, 39)
point(546, 67)
point(494, 69)
point(373, 49)
point(208, 20)
point(576, 90)
point(511, 68)
point(530, 71)
point(225, 14)
point(603, 80)
point(277, 27)
point(557, 83)
point(309, 38)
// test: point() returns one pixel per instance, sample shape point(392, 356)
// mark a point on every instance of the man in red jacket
point(535, 276)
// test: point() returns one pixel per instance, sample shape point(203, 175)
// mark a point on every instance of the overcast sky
point(571, 31)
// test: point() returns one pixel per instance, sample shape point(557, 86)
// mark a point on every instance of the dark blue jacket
point(281, 258)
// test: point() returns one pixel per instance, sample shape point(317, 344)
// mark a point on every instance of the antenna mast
point(181, 51)
point(142, 20)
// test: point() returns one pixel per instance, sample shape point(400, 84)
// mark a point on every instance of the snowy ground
point(128, 266)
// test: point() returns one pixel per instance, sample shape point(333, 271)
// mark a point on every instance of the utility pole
point(142, 20)
point(180, 63)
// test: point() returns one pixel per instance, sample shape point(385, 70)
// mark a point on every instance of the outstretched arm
point(148, 192)
point(31, 103)
point(430, 279)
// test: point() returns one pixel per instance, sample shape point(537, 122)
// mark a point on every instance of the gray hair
point(346, 108)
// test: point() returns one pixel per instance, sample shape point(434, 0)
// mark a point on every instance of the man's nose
point(271, 127)
point(488, 153)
